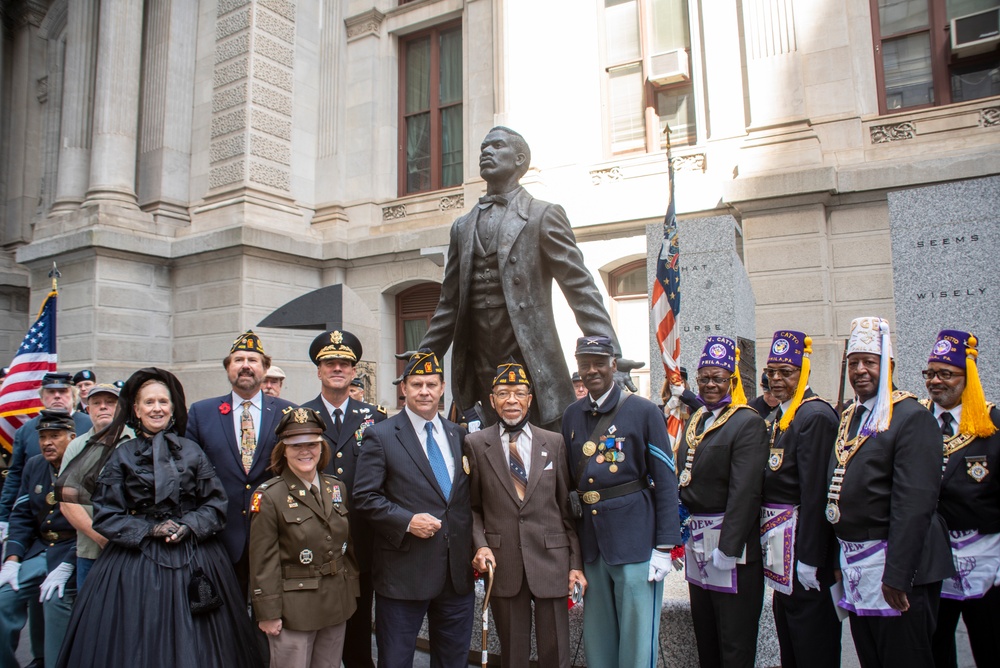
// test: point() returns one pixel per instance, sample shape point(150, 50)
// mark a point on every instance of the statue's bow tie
point(489, 200)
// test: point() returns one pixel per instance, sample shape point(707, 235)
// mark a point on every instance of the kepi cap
point(595, 345)
point(55, 420)
point(57, 380)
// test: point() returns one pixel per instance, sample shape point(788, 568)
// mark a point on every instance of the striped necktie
point(517, 473)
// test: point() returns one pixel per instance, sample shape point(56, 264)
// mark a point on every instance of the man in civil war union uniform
point(884, 480)
point(519, 483)
point(722, 455)
point(970, 498)
point(622, 466)
point(336, 354)
point(796, 539)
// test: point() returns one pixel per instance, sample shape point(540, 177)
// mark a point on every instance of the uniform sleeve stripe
point(20, 499)
point(662, 456)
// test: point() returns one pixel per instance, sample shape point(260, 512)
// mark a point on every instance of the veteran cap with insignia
point(595, 345)
point(56, 421)
point(86, 374)
point(961, 349)
point(421, 363)
point(511, 373)
point(300, 425)
point(336, 344)
point(357, 382)
point(247, 341)
point(56, 381)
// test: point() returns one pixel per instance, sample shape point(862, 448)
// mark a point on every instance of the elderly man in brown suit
point(519, 484)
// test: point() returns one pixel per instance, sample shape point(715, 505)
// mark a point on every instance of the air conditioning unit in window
point(975, 33)
point(669, 67)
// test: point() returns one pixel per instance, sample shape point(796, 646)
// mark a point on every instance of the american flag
point(19, 400)
point(667, 305)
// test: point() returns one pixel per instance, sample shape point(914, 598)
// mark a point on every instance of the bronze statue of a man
point(496, 297)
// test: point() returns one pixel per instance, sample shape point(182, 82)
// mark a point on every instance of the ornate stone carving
point(882, 134)
point(271, 124)
point(228, 98)
point(270, 23)
point(226, 174)
point(276, 151)
point(694, 162)
point(269, 176)
point(989, 117)
point(362, 25)
point(609, 175)
point(452, 202)
point(275, 75)
point(394, 212)
point(238, 46)
point(271, 48)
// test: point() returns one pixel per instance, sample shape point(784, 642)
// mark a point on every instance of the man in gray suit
point(519, 484)
point(412, 487)
point(496, 296)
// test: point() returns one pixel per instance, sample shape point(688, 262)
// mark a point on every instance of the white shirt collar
point(604, 397)
point(418, 422)
point(330, 407)
point(255, 400)
point(956, 413)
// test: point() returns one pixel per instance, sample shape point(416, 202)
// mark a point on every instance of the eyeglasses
point(943, 374)
point(784, 373)
point(713, 380)
point(504, 395)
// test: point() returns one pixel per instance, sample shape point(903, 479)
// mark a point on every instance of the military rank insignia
point(337, 498)
point(255, 502)
point(976, 468)
point(777, 456)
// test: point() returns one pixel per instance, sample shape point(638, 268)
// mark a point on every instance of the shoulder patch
point(255, 500)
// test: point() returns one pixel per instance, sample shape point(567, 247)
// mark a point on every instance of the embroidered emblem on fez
point(780, 347)
point(942, 347)
point(718, 351)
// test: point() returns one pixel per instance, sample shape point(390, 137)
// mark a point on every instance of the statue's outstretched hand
point(623, 376)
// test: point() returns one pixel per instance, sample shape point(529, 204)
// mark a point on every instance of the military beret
point(86, 374)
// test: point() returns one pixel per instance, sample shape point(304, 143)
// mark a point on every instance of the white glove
point(721, 561)
point(55, 581)
point(676, 390)
point(807, 576)
point(660, 564)
point(9, 574)
point(4, 527)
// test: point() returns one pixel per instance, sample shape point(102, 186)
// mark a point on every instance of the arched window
point(415, 307)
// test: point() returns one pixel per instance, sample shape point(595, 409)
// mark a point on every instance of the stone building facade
point(192, 165)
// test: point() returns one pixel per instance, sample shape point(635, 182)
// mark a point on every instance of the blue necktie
point(437, 461)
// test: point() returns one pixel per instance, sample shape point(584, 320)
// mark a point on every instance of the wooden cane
point(486, 613)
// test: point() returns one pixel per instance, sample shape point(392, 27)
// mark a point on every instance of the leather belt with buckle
point(593, 496)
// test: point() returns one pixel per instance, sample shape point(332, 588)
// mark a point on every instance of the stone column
point(116, 104)
point(167, 101)
point(77, 104)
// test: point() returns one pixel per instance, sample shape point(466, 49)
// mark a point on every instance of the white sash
point(698, 568)
point(777, 544)
point(977, 560)
point(862, 564)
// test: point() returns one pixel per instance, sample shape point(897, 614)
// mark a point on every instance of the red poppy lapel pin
point(225, 408)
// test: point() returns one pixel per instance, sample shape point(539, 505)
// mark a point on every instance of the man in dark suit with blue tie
point(412, 487)
point(335, 354)
point(236, 431)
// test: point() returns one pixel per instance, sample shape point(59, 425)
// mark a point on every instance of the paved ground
point(850, 659)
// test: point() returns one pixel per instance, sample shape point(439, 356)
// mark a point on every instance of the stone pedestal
point(945, 274)
point(716, 297)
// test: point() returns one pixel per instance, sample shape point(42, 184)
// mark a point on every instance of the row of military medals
point(844, 449)
point(608, 450)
